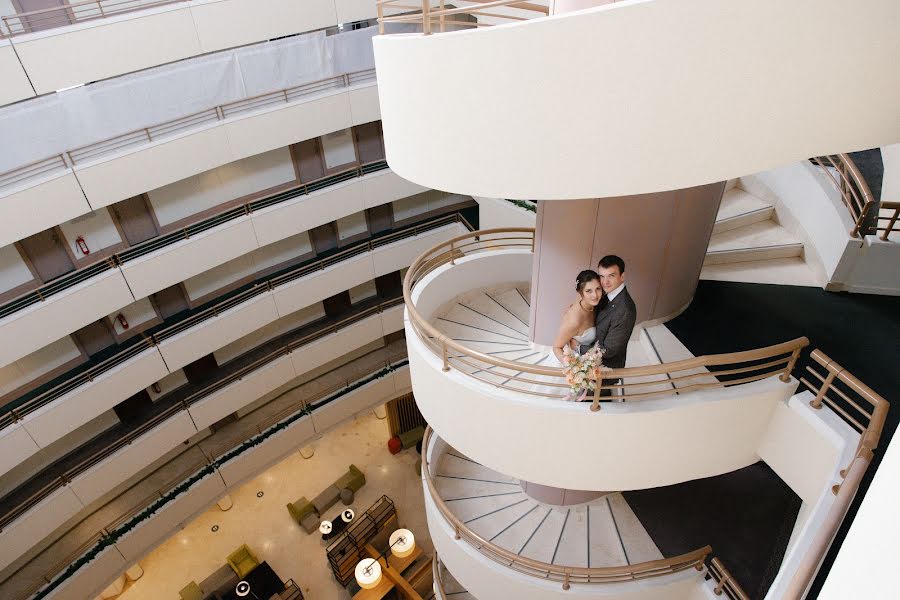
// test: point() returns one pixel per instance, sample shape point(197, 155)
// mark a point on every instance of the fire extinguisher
point(122, 320)
point(157, 389)
point(82, 245)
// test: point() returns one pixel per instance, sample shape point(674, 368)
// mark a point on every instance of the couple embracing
point(602, 319)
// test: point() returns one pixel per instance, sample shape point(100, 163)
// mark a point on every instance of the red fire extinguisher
point(82, 245)
point(122, 320)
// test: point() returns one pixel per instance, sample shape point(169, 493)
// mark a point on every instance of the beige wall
point(662, 238)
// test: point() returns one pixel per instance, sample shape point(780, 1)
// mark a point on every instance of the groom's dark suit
point(614, 323)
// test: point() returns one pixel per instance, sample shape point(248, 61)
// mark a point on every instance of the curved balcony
point(631, 117)
point(37, 420)
point(86, 474)
point(467, 319)
point(58, 188)
point(85, 295)
point(231, 456)
point(89, 40)
point(545, 553)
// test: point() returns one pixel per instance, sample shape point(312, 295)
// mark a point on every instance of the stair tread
point(779, 271)
point(757, 235)
point(736, 202)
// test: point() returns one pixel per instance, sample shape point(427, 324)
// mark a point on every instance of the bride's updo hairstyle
point(584, 278)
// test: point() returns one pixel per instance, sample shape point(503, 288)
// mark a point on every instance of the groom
point(616, 316)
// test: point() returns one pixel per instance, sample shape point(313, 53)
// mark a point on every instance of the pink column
point(662, 238)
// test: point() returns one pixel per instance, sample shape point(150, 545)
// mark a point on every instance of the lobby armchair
point(242, 561)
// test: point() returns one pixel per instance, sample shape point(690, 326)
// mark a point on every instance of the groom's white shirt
point(612, 295)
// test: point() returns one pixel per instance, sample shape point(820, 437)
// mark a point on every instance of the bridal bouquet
point(579, 370)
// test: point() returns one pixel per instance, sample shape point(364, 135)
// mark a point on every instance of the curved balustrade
point(725, 582)
point(152, 245)
point(21, 409)
point(638, 383)
point(550, 572)
point(162, 131)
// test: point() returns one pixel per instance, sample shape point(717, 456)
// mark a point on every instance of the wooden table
point(392, 576)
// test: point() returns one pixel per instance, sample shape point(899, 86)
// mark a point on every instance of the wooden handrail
point(725, 581)
point(520, 376)
point(812, 558)
point(426, 14)
point(547, 571)
point(870, 433)
point(854, 190)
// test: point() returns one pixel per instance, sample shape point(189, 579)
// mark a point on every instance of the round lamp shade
point(325, 527)
point(242, 589)
point(403, 543)
point(368, 573)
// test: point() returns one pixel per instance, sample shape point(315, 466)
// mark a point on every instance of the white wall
point(338, 148)
point(60, 58)
point(496, 212)
point(890, 185)
point(36, 524)
point(227, 23)
point(218, 331)
point(15, 82)
point(68, 311)
point(274, 328)
point(247, 265)
point(38, 206)
point(206, 190)
point(97, 229)
point(62, 416)
point(173, 264)
point(870, 266)
point(30, 367)
point(13, 270)
point(673, 107)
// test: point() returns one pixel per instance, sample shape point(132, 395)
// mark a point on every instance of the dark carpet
point(746, 516)
point(860, 332)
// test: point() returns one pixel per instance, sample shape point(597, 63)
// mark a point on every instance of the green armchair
point(300, 509)
point(242, 561)
point(353, 479)
point(191, 591)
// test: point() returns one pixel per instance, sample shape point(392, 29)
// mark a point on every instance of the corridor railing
point(546, 571)
point(98, 455)
point(19, 411)
point(70, 13)
point(179, 235)
point(436, 17)
point(638, 383)
point(187, 477)
point(725, 582)
point(854, 190)
point(168, 129)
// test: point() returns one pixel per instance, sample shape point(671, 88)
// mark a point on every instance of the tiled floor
point(263, 522)
point(181, 463)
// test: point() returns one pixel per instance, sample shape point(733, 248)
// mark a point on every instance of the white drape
point(43, 127)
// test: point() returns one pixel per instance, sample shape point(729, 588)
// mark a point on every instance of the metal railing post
point(426, 16)
point(789, 367)
point(380, 18)
point(817, 401)
point(595, 405)
point(446, 366)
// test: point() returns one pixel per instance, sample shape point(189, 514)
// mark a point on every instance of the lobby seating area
point(308, 514)
point(245, 569)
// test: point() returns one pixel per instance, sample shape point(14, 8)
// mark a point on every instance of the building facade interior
point(481, 299)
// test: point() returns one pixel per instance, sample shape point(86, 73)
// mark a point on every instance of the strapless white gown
point(587, 337)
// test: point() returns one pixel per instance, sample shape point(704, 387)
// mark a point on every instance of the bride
point(577, 329)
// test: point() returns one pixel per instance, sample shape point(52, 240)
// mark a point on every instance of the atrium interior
point(471, 300)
